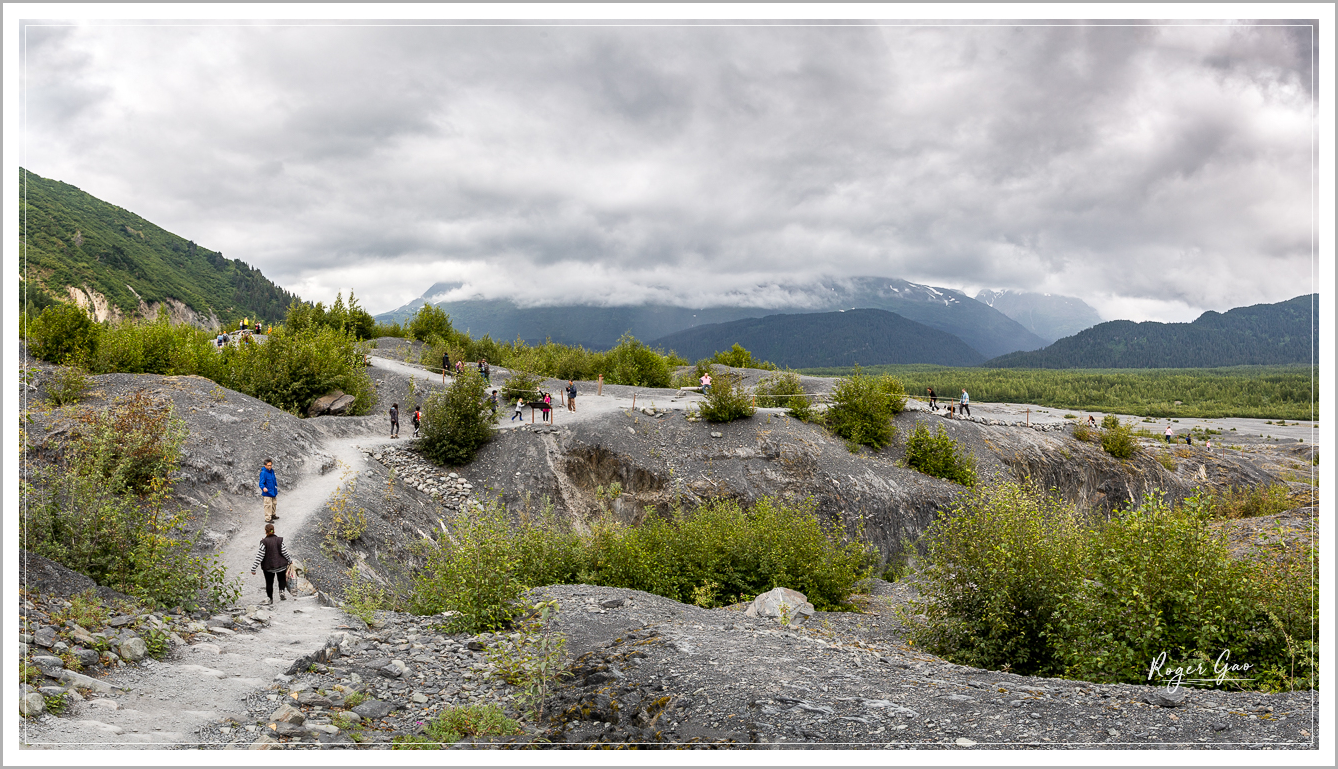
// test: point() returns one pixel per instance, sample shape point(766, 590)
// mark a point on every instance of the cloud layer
point(1153, 171)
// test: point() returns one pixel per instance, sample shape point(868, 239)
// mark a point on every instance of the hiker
point(492, 402)
point(933, 401)
point(548, 407)
point(257, 327)
point(706, 383)
point(966, 403)
point(1091, 421)
point(417, 421)
point(1188, 441)
point(459, 367)
point(1169, 431)
point(571, 395)
point(1210, 445)
point(394, 420)
point(269, 491)
point(274, 559)
point(445, 365)
point(487, 372)
point(520, 404)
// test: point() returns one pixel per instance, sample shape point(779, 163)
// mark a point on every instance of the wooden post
point(1028, 417)
point(634, 401)
point(600, 391)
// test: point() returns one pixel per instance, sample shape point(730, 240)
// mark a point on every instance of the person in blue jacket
point(269, 491)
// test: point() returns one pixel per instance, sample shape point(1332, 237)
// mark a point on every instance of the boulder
point(1167, 698)
point(50, 666)
point(45, 637)
point(341, 406)
point(288, 714)
point(265, 742)
point(132, 649)
point(374, 709)
point(88, 657)
point(322, 404)
point(31, 704)
point(80, 681)
point(769, 604)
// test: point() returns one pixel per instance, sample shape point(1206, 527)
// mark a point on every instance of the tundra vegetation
point(1261, 392)
point(1014, 577)
point(102, 508)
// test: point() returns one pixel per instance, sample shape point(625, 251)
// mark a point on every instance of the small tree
point(1117, 439)
point(63, 333)
point(783, 389)
point(861, 411)
point(458, 422)
point(727, 400)
point(937, 454)
point(430, 321)
point(631, 362)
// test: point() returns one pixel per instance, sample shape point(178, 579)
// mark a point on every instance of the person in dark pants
point(445, 365)
point(274, 559)
point(417, 421)
point(933, 401)
point(394, 420)
point(966, 403)
point(571, 395)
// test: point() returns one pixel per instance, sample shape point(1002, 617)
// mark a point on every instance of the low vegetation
point(1264, 392)
point(937, 454)
point(456, 723)
point(458, 422)
point(102, 508)
point(1018, 579)
point(1117, 439)
point(862, 408)
point(727, 400)
point(491, 556)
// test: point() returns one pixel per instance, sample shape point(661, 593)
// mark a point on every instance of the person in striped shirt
point(273, 557)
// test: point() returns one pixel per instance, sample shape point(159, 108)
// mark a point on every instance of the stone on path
point(31, 704)
point(132, 649)
point(1167, 698)
point(375, 709)
point(50, 666)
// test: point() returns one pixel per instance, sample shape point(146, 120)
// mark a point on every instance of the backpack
point(417, 417)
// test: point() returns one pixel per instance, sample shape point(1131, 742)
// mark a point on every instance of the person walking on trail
point(706, 383)
point(1091, 421)
point(394, 420)
point(571, 395)
point(417, 421)
point(269, 491)
point(445, 365)
point(966, 403)
point(520, 404)
point(933, 400)
point(1169, 433)
point(487, 372)
point(272, 556)
point(459, 367)
point(492, 402)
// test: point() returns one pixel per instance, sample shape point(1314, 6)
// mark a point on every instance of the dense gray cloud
point(1154, 171)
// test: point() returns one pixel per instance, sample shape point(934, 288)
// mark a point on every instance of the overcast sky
point(1152, 171)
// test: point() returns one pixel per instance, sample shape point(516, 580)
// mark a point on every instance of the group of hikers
point(961, 406)
point(244, 332)
point(485, 370)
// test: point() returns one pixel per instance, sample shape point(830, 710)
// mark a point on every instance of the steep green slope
point(864, 337)
point(75, 239)
point(1262, 334)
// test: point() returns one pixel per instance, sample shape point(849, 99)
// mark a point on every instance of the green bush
point(103, 509)
point(456, 723)
point(737, 357)
point(158, 347)
point(631, 362)
point(66, 385)
point(862, 409)
point(1110, 422)
point(995, 569)
point(521, 384)
point(293, 368)
point(1017, 578)
point(782, 389)
point(727, 400)
point(63, 333)
point(1249, 502)
point(1118, 441)
point(458, 422)
point(428, 322)
point(937, 454)
point(474, 572)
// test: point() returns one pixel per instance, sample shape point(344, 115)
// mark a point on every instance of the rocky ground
point(644, 669)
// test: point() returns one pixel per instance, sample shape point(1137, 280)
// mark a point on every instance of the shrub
point(631, 362)
point(1249, 502)
point(937, 454)
point(531, 656)
point(784, 390)
point(101, 509)
point(521, 384)
point(63, 333)
point(727, 400)
point(293, 368)
point(1110, 422)
point(737, 357)
point(1083, 433)
point(66, 385)
point(1166, 461)
point(458, 422)
point(86, 610)
point(861, 411)
point(428, 322)
point(474, 571)
point(995, 569)
point(1118, 441)
point(457, 723)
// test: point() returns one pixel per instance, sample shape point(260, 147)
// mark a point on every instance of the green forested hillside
point(864, 337)
point(1259, 335)
point(75, 239)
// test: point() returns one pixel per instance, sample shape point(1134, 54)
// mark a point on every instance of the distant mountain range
point(1049, 316)
point(813, 340)
point(1261, 334)
point(85, 250)
point(983, 328)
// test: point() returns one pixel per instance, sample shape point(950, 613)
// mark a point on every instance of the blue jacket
point(269, 485)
